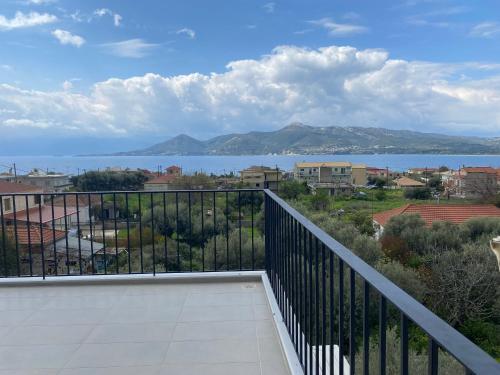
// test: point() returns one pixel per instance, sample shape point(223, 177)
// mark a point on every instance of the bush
point(380, 195)
point(292, 189)
point(422, 193)
point(406, 278)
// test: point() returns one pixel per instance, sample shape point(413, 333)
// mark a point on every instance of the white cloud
point(133, 48)
point(23, 20)
point(65, 37)
point(269, 7)
point(189, 32)
point(6, 67)
point(101, 12)
point(339, 29)
point(67, 85)
point(486, 30)
point(325, 86)
point(117, 19)
point(40, 2)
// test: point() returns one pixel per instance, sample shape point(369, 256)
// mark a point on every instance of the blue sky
point(125, 69)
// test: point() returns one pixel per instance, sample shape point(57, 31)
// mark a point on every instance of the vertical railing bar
point(54, 232)
point(28, 226)
point(366, 328)
point(341, 316)
point(116, 234)
point(165, 246)
point(306, 306)
point(91, 234)
point(296, 312)
point(177, 230)
point(433, 357)
point(310, 303)
point(66, 232)
point(153, 232)
point(215, 232)
point(103, 235)
point(252, 218)
point(382, 334)
point(140, 232)
point(316, 301)
point(42, 247)
point(129, 255)
point(404, 344)
point(4, 242)
point(227, 230)
point(202, 234)
point(16, 236)
point(352, 319)
point(332, 310)
point(78, 229)
point(239, 224)
point(301, 300)
point(323, 309)
point(190, 234)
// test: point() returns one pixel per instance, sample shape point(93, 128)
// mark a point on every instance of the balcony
point(201, 282)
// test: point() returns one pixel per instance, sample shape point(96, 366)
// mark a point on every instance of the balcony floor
point(141, 328)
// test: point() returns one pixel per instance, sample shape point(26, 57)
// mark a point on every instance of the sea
point(226, 164)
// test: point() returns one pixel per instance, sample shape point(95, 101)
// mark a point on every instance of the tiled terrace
point(183, 327)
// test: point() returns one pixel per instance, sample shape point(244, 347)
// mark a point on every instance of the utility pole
point(387, 176)
point(15, 173)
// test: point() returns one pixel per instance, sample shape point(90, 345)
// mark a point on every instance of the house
point(19, 203)
point(430, 213)
point(385, 173)
point(408, 183)
point(261, 177)
point(82, 204)
point(476, 182)
point(173, 170)
point(337, 178)
point(48, 182)
point(423, 172)
point(161, 183)
point(359, 175)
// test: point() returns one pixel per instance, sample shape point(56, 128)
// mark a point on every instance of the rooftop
point(323, 164)
point(142, 327)
point(49, 213)
point(456, 214)
point(408, 182)
point(11, 187)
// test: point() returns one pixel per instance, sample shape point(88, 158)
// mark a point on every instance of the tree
point(109, 181)
point(464, 286)
point(422, 193)
point(320, 200)
point(436, 183)
point(293, 189)
point(8, 259)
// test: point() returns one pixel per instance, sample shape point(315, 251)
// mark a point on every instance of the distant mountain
point(298, 138)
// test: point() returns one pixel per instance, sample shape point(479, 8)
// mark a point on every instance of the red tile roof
point(34, 235)
point(456, 214)
point(173, 168)
point(34, 214)
point(12, 188)
point(165, 179)
point(488, 170)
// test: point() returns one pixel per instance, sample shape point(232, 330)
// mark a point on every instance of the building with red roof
point(453, 213)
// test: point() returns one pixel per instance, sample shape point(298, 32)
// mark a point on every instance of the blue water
point(226, 164)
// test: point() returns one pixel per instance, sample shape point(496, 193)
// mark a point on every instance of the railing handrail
point(460, 347)
point(30, 193)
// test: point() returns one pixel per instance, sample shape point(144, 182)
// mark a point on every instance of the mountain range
point(298, 138)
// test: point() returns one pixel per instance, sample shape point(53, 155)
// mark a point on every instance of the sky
point(121, 74)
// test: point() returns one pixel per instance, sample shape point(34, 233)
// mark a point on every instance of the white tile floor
point(171, 328)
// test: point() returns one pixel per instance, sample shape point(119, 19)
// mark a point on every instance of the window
point(342, 171)
point(257, 185)
point(7, 204)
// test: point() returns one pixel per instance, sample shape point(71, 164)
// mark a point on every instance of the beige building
point(338, 178)
point(19, 204)
point(261, 177)
point(359, 176)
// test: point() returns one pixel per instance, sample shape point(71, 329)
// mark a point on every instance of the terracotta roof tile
point(34, 237)
point(456, 214)
point(12, 188)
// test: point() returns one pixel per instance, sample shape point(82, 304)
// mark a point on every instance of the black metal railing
point(64, 234)
point(345, 317)
point(341, 314)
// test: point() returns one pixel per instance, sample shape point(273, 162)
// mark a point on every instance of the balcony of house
point(202, 282)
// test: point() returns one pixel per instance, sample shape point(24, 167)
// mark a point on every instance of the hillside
point(298, 138)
